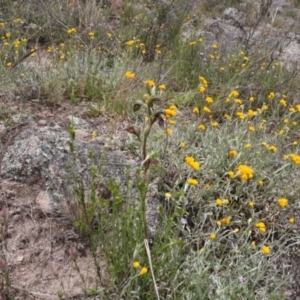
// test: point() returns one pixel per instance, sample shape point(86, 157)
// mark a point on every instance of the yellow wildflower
point(202, 89)
point(168, 131)
point(129, 75)
point(219, 202)
point(136, 264)
point(209, 100)
point(170, 113)
point(245, 172)
point(282, 202)
point(251, 204)
point(149, 83)
point(282, 102)
point(212, 236)
point(230, 174)
point(192, 162)
point(292, 220)
point(272, 148)
point(261, 226)
point(130, 43)
point(238, 101)
point(214, 124)
point(162, 87)
point(196, 110)
point(206, 109)
point(226, 220)
point(71, 31)
point(271, 95)
point(182, 145)
point(144, 271)
point(201, 127)
point(232, 153)
point(91, 34)
point(94, 134)
point(192, 181)
point(265, 250)
point(168, 195)
point(234, 94)
point(225, 201)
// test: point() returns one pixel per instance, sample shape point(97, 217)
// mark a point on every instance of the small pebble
point(42, 123)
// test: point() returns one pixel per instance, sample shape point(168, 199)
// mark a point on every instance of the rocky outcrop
point(41, 155)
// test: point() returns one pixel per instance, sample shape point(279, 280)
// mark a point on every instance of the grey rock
point(78, 123)
point(234, 17)
point(42, 154)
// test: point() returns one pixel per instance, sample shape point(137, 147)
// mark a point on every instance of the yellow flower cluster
point(220, 202)
point(245, 172)
point(261, 226)
point(203, 84)
point(137, 265)
point(190, 161)
point(91, 34)
point(170, 112)
point(234, 94)
point(295, 158)
point(71, 30)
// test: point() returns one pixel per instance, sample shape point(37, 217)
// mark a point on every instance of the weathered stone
point(42, 155)
point(234, 17)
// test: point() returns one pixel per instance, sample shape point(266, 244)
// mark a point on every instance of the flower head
point(261, 226)
point(219, 202)
point(196, 110)
point(150, 83)
point(129, 75)
point(282, 202)
point(162, 87)
point(212, 236)
point(168, 195)
point(71, 31)
point(136, 264)
point(245, 172)
point(272, 148)
point(130, 43)
point(201, 127)
point(143, 271)
point(209, 100)
point(192, 181)
point(265, 250)
point(232, 153)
